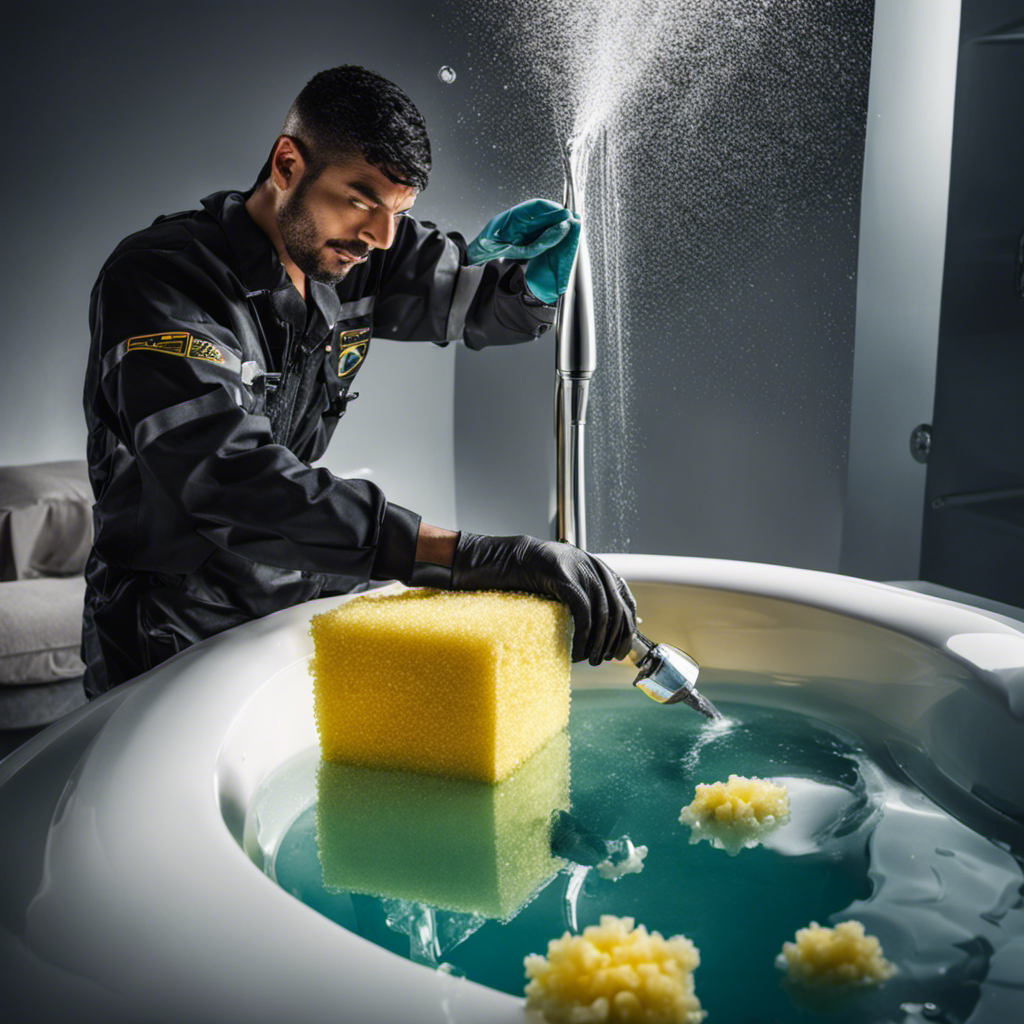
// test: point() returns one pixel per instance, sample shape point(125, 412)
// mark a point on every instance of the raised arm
point(428, 292)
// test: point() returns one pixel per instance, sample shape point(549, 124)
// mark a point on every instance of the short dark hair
point(350, 111)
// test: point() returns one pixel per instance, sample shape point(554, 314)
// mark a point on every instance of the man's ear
point(286, 163)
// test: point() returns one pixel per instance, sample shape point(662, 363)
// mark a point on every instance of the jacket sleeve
point(428, 293)
point(170, 388)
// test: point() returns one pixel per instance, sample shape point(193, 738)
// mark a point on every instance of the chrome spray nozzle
point(668, 675)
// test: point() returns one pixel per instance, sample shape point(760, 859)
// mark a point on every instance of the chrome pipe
point(665, 673)
point(575, 362)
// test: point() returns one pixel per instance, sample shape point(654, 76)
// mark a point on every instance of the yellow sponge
point(461, 684)
point(455, 844)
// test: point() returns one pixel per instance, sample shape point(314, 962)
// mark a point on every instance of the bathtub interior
point(925, 708)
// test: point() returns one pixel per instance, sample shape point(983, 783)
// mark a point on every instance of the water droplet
point(446, 74)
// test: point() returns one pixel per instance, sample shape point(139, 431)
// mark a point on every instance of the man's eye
point(360, 204)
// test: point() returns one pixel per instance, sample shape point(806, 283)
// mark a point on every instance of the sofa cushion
point(34, 705)
point(40, 630)
point(45, 519)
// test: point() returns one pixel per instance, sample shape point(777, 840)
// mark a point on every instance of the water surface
point(862, 843)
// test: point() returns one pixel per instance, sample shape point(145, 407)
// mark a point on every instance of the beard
point(304, 245)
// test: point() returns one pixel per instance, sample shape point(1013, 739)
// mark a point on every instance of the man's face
point(332, 224)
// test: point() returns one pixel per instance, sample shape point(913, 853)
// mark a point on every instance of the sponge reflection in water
point(454, 844)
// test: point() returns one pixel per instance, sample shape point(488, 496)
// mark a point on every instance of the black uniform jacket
point(212, 387)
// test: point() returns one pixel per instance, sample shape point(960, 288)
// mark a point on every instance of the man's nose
point(379, 230)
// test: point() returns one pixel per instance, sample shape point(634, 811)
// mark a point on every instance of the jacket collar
point(259, 266)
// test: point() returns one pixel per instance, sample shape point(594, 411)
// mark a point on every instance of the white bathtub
point(126, 889)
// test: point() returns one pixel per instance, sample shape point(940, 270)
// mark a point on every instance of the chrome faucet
point(667, 675)
point(575, 361)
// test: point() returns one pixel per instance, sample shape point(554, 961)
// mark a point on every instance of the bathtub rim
point(155, 712)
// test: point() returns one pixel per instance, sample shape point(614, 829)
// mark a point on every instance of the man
point(225, 341)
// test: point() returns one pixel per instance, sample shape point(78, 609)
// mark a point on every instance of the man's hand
point(603, 609)
point(544, 233)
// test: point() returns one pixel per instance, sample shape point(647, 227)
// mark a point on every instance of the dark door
point(973, 533)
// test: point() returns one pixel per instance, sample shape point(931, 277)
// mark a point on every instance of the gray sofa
point(45, 536)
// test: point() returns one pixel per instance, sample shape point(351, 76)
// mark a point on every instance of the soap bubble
point(446, 74)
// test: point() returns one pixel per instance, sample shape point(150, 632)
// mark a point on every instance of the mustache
point(356, 249)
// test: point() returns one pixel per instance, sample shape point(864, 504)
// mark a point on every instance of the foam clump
point(629, 860)
point(615, 973)
point(840, 957)
point(736, 814)
point(465, 685)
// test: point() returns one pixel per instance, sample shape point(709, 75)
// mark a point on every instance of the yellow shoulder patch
point(176, 343)
point(352, 348)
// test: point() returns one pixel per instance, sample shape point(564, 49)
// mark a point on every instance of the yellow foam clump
point(460, 845)
point(838, 957)
point(740, 800)
point(466, 685)
point(736, 814)
point(615, 973)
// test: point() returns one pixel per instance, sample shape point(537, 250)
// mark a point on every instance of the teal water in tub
point(862, 842)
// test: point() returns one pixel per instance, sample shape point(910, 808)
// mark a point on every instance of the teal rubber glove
point(544, 233)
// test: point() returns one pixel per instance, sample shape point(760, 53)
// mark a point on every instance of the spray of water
point(704, 136)
point(613, 53)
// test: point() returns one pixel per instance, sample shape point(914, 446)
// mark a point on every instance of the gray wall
point(902, 247)
point(121, 111)
point(720, 413)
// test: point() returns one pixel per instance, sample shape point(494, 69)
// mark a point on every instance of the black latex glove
point(602, 608)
